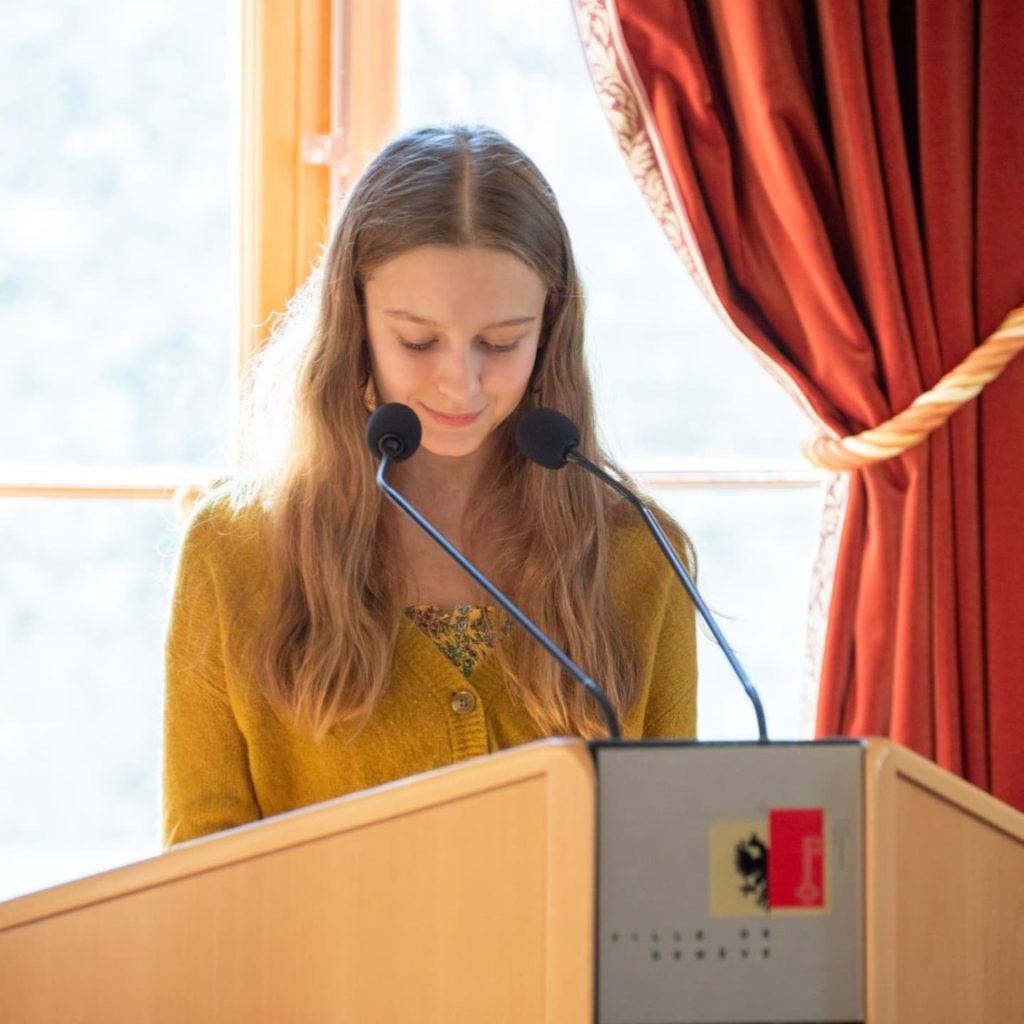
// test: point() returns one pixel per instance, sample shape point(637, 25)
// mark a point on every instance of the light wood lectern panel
point(463, 895)
point(944, 866)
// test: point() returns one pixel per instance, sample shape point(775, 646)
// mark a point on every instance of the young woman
point(319, 642)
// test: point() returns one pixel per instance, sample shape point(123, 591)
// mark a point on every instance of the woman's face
point(453, 334)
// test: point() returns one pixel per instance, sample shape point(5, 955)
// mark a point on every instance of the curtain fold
point(849, 177)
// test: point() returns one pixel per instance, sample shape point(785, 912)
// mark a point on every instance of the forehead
point(445, 283)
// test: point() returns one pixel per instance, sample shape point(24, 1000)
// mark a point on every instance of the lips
point(453, 419)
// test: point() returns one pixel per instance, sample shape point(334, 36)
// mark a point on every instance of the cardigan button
point(463, 702)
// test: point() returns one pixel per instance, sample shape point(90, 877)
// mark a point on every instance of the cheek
point(514, 375)
point(393, 375)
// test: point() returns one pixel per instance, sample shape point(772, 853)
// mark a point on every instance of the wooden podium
point(468, 894)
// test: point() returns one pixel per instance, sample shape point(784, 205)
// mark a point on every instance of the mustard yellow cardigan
point(228, 759)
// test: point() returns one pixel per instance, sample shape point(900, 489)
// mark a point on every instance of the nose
point(459, 373)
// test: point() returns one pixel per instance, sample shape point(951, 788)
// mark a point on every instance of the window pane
point(671, 379)
point(755, 552)
point(84, 588)
point(115, 271)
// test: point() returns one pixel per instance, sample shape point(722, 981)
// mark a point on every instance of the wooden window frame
point(303, 137)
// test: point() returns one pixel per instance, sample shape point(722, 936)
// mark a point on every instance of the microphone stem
point(684, 577)
point(611, 720)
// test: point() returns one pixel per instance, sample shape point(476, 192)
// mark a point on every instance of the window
point(135, 274)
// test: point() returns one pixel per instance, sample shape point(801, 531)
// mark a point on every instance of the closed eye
point(417, 346)
point(498, 349)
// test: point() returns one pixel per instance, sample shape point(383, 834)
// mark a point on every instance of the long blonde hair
point(324, 657)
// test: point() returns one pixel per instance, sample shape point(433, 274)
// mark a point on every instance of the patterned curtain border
point(627, 109)
point(823, 574)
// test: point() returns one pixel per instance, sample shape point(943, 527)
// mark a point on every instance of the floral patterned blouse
point(464, 634)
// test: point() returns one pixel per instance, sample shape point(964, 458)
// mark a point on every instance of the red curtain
point(853, 177)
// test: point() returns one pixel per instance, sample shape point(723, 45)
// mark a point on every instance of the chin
point(454, 443)
point(450, 447)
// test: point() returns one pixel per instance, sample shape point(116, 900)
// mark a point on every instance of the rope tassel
point(928, 411)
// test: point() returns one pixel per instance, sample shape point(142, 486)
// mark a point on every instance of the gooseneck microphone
point(393, 434)
point(550, 439)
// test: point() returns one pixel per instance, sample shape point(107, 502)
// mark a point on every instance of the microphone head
point(393, 430)
point(546, 437)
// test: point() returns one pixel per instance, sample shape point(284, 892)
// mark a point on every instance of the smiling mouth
point(451, 419)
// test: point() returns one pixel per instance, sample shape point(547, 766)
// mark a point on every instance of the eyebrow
point(403, 314)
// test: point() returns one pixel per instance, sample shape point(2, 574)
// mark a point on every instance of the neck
point(443, 484)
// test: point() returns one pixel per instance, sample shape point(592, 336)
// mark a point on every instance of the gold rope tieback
point(927, 411)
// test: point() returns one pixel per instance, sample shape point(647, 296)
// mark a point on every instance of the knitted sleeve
point(671, 711)
point(657, 611)
point(207, 785)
